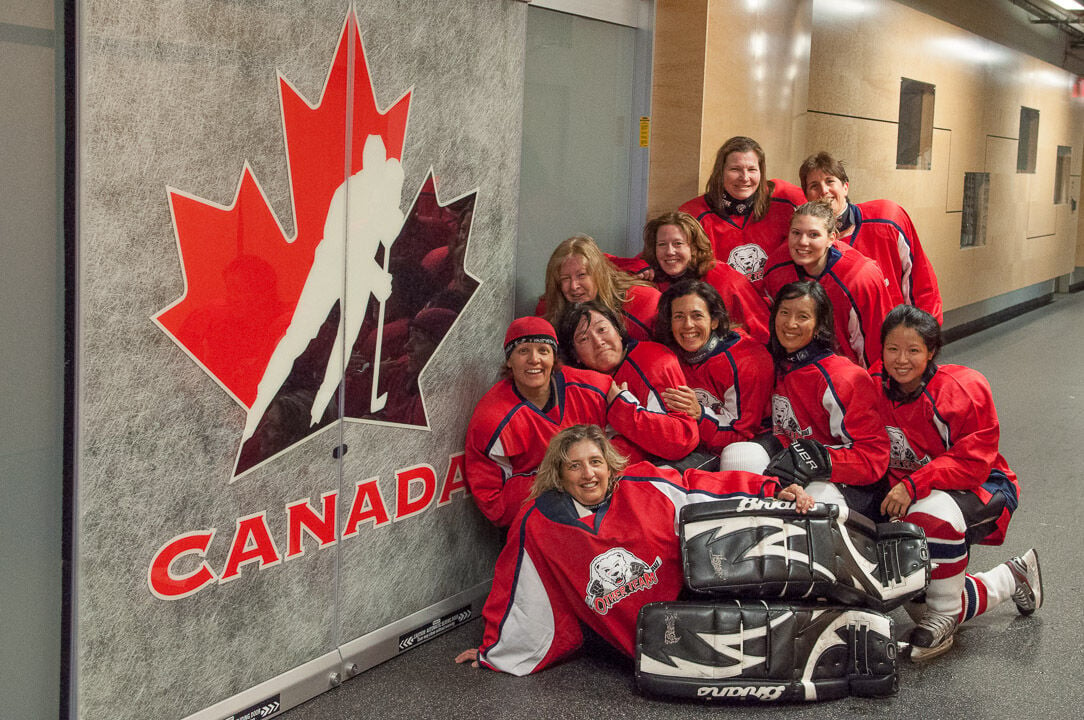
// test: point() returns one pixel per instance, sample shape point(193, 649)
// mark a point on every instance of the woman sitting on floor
point(948, 478)
point(592, 518)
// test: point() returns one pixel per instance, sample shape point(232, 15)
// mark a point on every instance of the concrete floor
point(1002, 666)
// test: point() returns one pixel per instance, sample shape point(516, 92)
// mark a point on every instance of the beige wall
point(843, 96)
point(725, 68)
point(856, 63)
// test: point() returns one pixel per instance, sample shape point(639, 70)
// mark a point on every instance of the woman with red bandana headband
point(578, 271)
point(513, 422)
point(745, 215)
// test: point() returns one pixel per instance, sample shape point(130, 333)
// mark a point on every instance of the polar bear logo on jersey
point(616, 574)
point(708, 400)
point(902, 455)
point(784, 421)
point(748, 260)
point(614, 568)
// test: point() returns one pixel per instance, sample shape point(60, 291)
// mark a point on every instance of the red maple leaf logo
point(296, 329)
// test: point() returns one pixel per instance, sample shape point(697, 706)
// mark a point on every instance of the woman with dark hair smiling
point(949, 478)
point(592, 336)
point(728, 377)
point(594, 525)
point(824, 405)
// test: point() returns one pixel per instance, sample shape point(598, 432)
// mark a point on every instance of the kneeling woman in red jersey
point(948, 478)
point(594, 524)
point(853, 282)
point(824, 402)
point(592, 336)
point(579, 271)
point(745, 215)
point(513, 422)
point(676, 249)
point(728, 376)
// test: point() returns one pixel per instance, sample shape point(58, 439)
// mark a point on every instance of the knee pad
point(756, 548)
point(752, 652)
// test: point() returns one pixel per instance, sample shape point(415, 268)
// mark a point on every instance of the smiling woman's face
point(795, 323)
point(691, 322)
point(586, 476)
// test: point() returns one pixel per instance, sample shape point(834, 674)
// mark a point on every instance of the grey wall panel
point(181, 95)
point(465, 122)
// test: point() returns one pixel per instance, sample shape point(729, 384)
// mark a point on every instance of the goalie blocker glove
point(763, 548)
point(803, 461)
point(758, 652)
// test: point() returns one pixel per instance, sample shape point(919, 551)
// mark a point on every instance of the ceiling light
point(1068, 4)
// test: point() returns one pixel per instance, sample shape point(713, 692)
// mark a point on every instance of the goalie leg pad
point(758, 652)
point(754, 548)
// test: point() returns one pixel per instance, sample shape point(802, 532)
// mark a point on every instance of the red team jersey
point(832, 400)
point(507, 436)
point(857, 289)
point(639, 311)
point(884, 233)
point(559, 570)
point(741, 243)
point(639, 414)
point(733, 386)
point(947, 439)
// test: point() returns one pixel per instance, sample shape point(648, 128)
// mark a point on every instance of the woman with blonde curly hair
point(578, 271)
point(594, 525)
point(676, 248)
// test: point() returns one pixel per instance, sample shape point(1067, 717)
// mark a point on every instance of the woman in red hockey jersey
point(676, 248)
point(512, 424)
point(853, 282)
point(744, 214)
point(728, 376)
point(579, 271)
point(880, 229)
point(948, 478)
point(824, 404)
point(597, 543)
point(592, 336)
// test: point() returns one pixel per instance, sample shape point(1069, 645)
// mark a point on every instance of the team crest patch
point(616, 574)
point(709, 401)
point(749, 260)
point(784, 421)
point(902, 456)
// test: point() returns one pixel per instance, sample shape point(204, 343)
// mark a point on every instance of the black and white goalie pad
point(757, 548)
point(732, 651)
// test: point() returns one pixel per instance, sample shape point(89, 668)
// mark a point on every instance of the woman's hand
point(896, 502)
point(682, 399)
point(615, 390)
point(470, 655)
point(647, 273)
point(803, 501)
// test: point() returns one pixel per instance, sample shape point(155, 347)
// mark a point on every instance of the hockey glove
point(803, 462)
